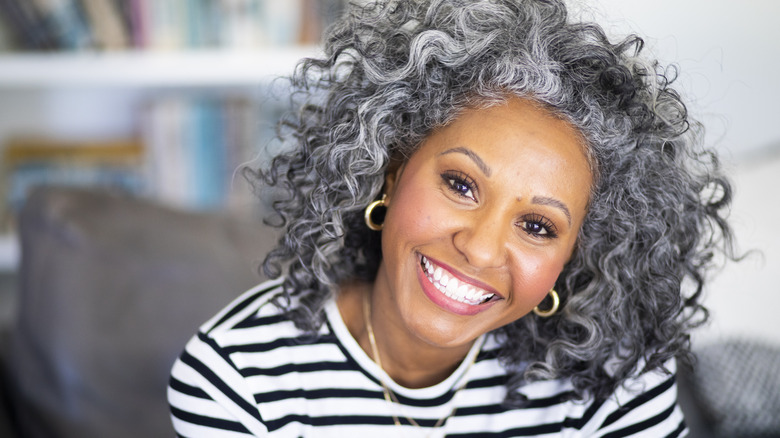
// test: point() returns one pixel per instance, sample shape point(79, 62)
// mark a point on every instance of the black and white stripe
point(250, 372)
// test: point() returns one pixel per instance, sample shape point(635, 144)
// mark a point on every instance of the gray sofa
point(112, 287)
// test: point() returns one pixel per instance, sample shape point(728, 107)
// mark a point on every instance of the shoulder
point(258, 300)
point(207, 389)
point(644, 405)
point(249, 319)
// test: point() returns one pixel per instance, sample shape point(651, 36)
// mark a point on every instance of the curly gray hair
point(395, 70)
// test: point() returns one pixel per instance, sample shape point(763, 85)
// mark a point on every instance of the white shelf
point(219, 67)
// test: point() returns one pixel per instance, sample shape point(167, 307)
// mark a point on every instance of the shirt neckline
point(370, 367)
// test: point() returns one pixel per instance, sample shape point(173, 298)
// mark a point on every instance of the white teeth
point(454, 288)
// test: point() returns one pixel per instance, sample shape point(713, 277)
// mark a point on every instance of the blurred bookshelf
point(163, 99)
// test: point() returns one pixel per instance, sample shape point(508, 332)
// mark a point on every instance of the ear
point(391, 180)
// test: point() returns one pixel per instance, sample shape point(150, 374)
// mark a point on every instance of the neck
point(409, 361)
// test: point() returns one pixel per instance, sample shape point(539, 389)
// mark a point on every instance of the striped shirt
point(250, 372)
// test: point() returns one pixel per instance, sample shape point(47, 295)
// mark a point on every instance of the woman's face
point(480, 222)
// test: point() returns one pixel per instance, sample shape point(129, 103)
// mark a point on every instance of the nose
point(482, 240)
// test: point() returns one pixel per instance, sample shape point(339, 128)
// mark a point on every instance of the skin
point(497, 199)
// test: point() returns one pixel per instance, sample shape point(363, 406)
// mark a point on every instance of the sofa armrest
point(112, 287)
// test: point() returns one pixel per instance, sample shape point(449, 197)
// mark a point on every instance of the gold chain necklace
point(390, 397)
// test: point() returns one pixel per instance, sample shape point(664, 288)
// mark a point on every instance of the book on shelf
point(196, 147)
point(165, 24)
point(64, 22)
point(31, 162)
point(107, 24)
point(27, 27)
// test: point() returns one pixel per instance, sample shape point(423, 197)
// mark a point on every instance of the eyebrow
point(544, 200)
point(471, 154)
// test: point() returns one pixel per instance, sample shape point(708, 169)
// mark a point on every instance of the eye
point(538, 226)
point(460, 184)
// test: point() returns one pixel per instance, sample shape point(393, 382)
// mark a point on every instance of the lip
point(447, 303)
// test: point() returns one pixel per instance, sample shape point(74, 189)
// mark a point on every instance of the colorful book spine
point(29, 30)
point(66, 23)
point(106, 22)
point(195, 147)
point(208, 155)
point(165, 24)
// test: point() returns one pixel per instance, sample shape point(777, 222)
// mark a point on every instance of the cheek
point(413, 216)
point(537, 275)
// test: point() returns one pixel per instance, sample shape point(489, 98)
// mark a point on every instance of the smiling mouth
point(452, 287)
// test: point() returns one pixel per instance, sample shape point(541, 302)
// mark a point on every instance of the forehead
point(516, 124)
point(525, 119)
point(521, 142)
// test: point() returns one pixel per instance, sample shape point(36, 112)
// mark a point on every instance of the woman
point(496, 224)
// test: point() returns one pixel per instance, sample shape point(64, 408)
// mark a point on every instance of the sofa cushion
point(737, 386)
point(112, 287)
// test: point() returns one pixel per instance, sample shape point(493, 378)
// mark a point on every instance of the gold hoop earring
point(551, 311)
point(370, 210)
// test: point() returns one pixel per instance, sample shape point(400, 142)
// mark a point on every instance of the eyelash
point(455, 180)
point(541, 221)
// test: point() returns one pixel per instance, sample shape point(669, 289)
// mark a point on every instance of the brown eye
point(460, 184)
point(538, 226)
point(535, 228)
point(460, 187)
